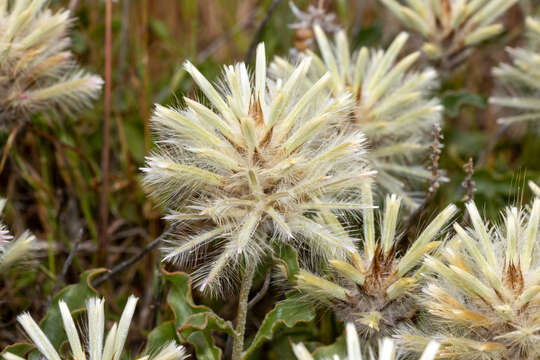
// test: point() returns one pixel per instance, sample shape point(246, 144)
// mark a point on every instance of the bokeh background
point(52, 178)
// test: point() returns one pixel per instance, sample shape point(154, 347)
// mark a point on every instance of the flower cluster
point(484, 298)
point(451, 28)
point(13, 251)
point(263, 165)
point(393, 105)
point(387, 349)
point(521, 79)
point(99, 347)
point(37, 69)
point(373, 288)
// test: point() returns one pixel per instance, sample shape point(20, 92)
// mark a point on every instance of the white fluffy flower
point(484, 301)
point(387, 349)
point(259, 167)
point(450, 27)
point(522, 80)
point(36, 67)
point(373, 288)
point(13, 251)
point(99, 346)
point(394, 107)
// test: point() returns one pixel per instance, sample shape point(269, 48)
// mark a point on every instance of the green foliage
point(454, 101)
point(286, 314)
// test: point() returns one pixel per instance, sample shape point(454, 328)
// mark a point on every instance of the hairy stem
point(247, 281)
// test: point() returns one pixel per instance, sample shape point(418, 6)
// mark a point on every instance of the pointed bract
point(394, 107)
point(37, 70)
point(259, 166)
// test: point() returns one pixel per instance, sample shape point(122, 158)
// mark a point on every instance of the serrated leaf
point(453, 101)
point(286, 313)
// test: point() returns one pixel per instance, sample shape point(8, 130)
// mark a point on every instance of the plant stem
point(247, 281)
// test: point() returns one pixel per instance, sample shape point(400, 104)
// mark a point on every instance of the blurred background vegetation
point(52, 177)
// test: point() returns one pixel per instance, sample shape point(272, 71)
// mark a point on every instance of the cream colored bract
point(37, 70)
point(261, 164)
point(484, 299)
point(373, 288)
point(394, 107)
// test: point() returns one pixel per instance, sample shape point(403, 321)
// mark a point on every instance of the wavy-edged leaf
point(288, 259)
point(193, 323)
point(198, 332)
point(286, 313)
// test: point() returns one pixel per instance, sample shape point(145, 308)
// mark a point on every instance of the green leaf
point(18, 349)
point(368, 36)
point(286, 314)
point(288, 257)
point(453, 101)
point(75, 297)
point(338, 348)
point(198, 332)
point(194, 323)
point(180, 299)
point(161, 335)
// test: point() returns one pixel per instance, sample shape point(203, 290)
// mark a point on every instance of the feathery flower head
point(450, 27)
point(373, 288)
point(256, 168)
point(13, 251)
point(99, 346)
point(522, 79)
point(36, 67)
point(484, 302)
point(387, 349)
point(393, 106)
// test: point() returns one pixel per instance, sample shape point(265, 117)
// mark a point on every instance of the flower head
point(36, 68)
point(373, 288)
point(387, 349)
point(521, 79)
point(306, 20)
point(98, 347)
point(393, 106)
point(256, 169)
point(450, 28)
point(484, 300)
point(13, 251)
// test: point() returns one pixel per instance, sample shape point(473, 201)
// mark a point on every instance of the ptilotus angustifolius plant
point(450, 28)
point(98, 346)
point(394, 107)
point(355, 351)
point(258, 167)
point(373, 288)
point(483, 300)
point(13, 250)
point(37, 70)
point(521, 81)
